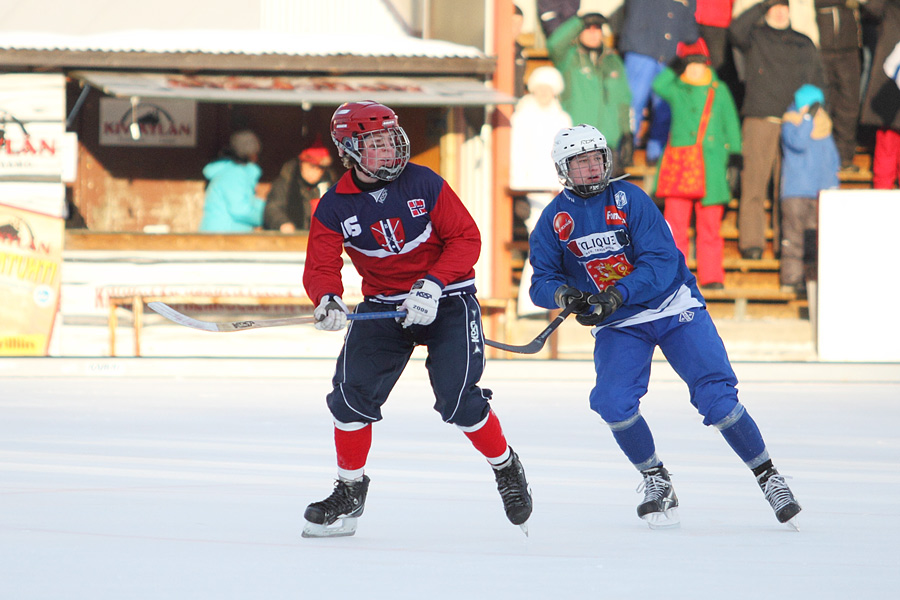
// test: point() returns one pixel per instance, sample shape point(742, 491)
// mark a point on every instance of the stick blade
point(531, 348)
point(176, 317)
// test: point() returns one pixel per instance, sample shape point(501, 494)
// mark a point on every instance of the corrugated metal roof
point(239, 42)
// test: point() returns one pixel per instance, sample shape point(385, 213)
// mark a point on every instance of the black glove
point(566, 295)
point(678, 65)
point(733, 174)
point(607, 302)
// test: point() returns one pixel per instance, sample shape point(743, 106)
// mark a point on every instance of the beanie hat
point(807, 95)
point(317, 155)
point(244, 144)
point(592, 20)
point(546, 75)
point(695, 52)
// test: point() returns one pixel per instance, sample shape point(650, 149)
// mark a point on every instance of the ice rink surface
point(188, 480)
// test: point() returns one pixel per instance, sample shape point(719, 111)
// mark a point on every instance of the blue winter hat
point(807, 95)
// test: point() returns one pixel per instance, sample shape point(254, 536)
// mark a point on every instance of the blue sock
point(740, 431)
point(636, 441)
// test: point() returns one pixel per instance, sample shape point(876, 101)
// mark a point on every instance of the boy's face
point(586, 168)
point(779, 16)
point(591, 37)
point(376, 150)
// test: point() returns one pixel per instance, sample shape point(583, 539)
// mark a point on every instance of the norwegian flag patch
point(416, 207)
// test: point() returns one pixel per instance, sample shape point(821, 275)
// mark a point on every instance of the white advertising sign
point(32, 127)
point(858, 284)
point(159, 123)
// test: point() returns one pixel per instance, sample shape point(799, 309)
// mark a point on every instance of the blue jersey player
point(415, 246)
point(605, 246)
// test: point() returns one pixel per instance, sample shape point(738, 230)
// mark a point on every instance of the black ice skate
point(514, 491)
point(660, 506)
point(346, 502)
point(780, 497)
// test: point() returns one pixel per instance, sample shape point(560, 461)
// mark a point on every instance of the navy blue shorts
point(376, 351)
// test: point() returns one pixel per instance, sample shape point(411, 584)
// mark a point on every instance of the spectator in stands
point(231, 204)
point(293, 196)
point(650, 34)
point(881, 107)
point(596, 87)
point(778, 60)
point(840, 39)
point(811, 164)
point(688, 88)
point(533, 126)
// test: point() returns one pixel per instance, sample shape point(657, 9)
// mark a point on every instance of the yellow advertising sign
point(31, 247)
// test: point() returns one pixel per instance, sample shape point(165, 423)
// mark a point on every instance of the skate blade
point(524, 528)
point(663, 520)
point(793, 524)
point(342, 528)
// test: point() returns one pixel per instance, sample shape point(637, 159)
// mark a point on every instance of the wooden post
point(504, 81)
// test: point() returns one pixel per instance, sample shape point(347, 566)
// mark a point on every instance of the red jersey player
point(415, 246)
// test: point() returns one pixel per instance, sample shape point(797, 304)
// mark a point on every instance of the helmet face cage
point(370, 135)
point(575, 141)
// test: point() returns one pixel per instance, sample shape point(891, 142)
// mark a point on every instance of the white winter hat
point(546, 76)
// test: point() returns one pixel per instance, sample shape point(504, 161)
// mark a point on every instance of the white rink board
point(859, 276)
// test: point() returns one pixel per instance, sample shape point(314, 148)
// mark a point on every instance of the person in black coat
point(778, 60)
point(293, 196)
point(840, 39)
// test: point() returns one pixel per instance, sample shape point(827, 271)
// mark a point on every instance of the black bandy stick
point(182, 319)
point(534, 346)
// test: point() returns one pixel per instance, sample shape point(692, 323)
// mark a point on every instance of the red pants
point(886, 159)
point(710, 244)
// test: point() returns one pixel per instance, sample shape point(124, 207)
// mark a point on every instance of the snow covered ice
point(187, 479)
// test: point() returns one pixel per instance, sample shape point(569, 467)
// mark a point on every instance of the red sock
point(352, 447)
point(488, 439)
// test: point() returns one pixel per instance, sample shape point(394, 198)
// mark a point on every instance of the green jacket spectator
point(596, 88)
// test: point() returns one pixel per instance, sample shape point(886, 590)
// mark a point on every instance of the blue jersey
point(616, 237)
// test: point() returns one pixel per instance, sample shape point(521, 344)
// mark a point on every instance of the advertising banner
point(31, 245)
point(34, 145)
point(158, 123)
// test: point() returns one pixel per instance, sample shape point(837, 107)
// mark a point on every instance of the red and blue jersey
point(413, 227)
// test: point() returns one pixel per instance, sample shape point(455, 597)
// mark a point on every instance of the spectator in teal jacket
point(596, 89)
point(231, 205)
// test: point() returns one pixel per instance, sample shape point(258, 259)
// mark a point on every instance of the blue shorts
point(691, 344)
point(376, 351)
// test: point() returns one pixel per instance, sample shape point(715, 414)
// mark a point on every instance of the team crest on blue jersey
point(416, 207)
point(389, 234)
point(621, 200)
point(686, 317)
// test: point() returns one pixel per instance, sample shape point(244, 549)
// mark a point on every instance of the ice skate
point(346, 502)
point(660, 506)
point(514, 491)
point(780, 497)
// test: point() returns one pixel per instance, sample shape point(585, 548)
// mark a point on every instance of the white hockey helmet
point(573, 141)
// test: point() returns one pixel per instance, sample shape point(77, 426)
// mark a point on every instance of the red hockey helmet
point(365, 131)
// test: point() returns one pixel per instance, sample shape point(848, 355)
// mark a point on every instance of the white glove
point(331, 313)
point(422, 303)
